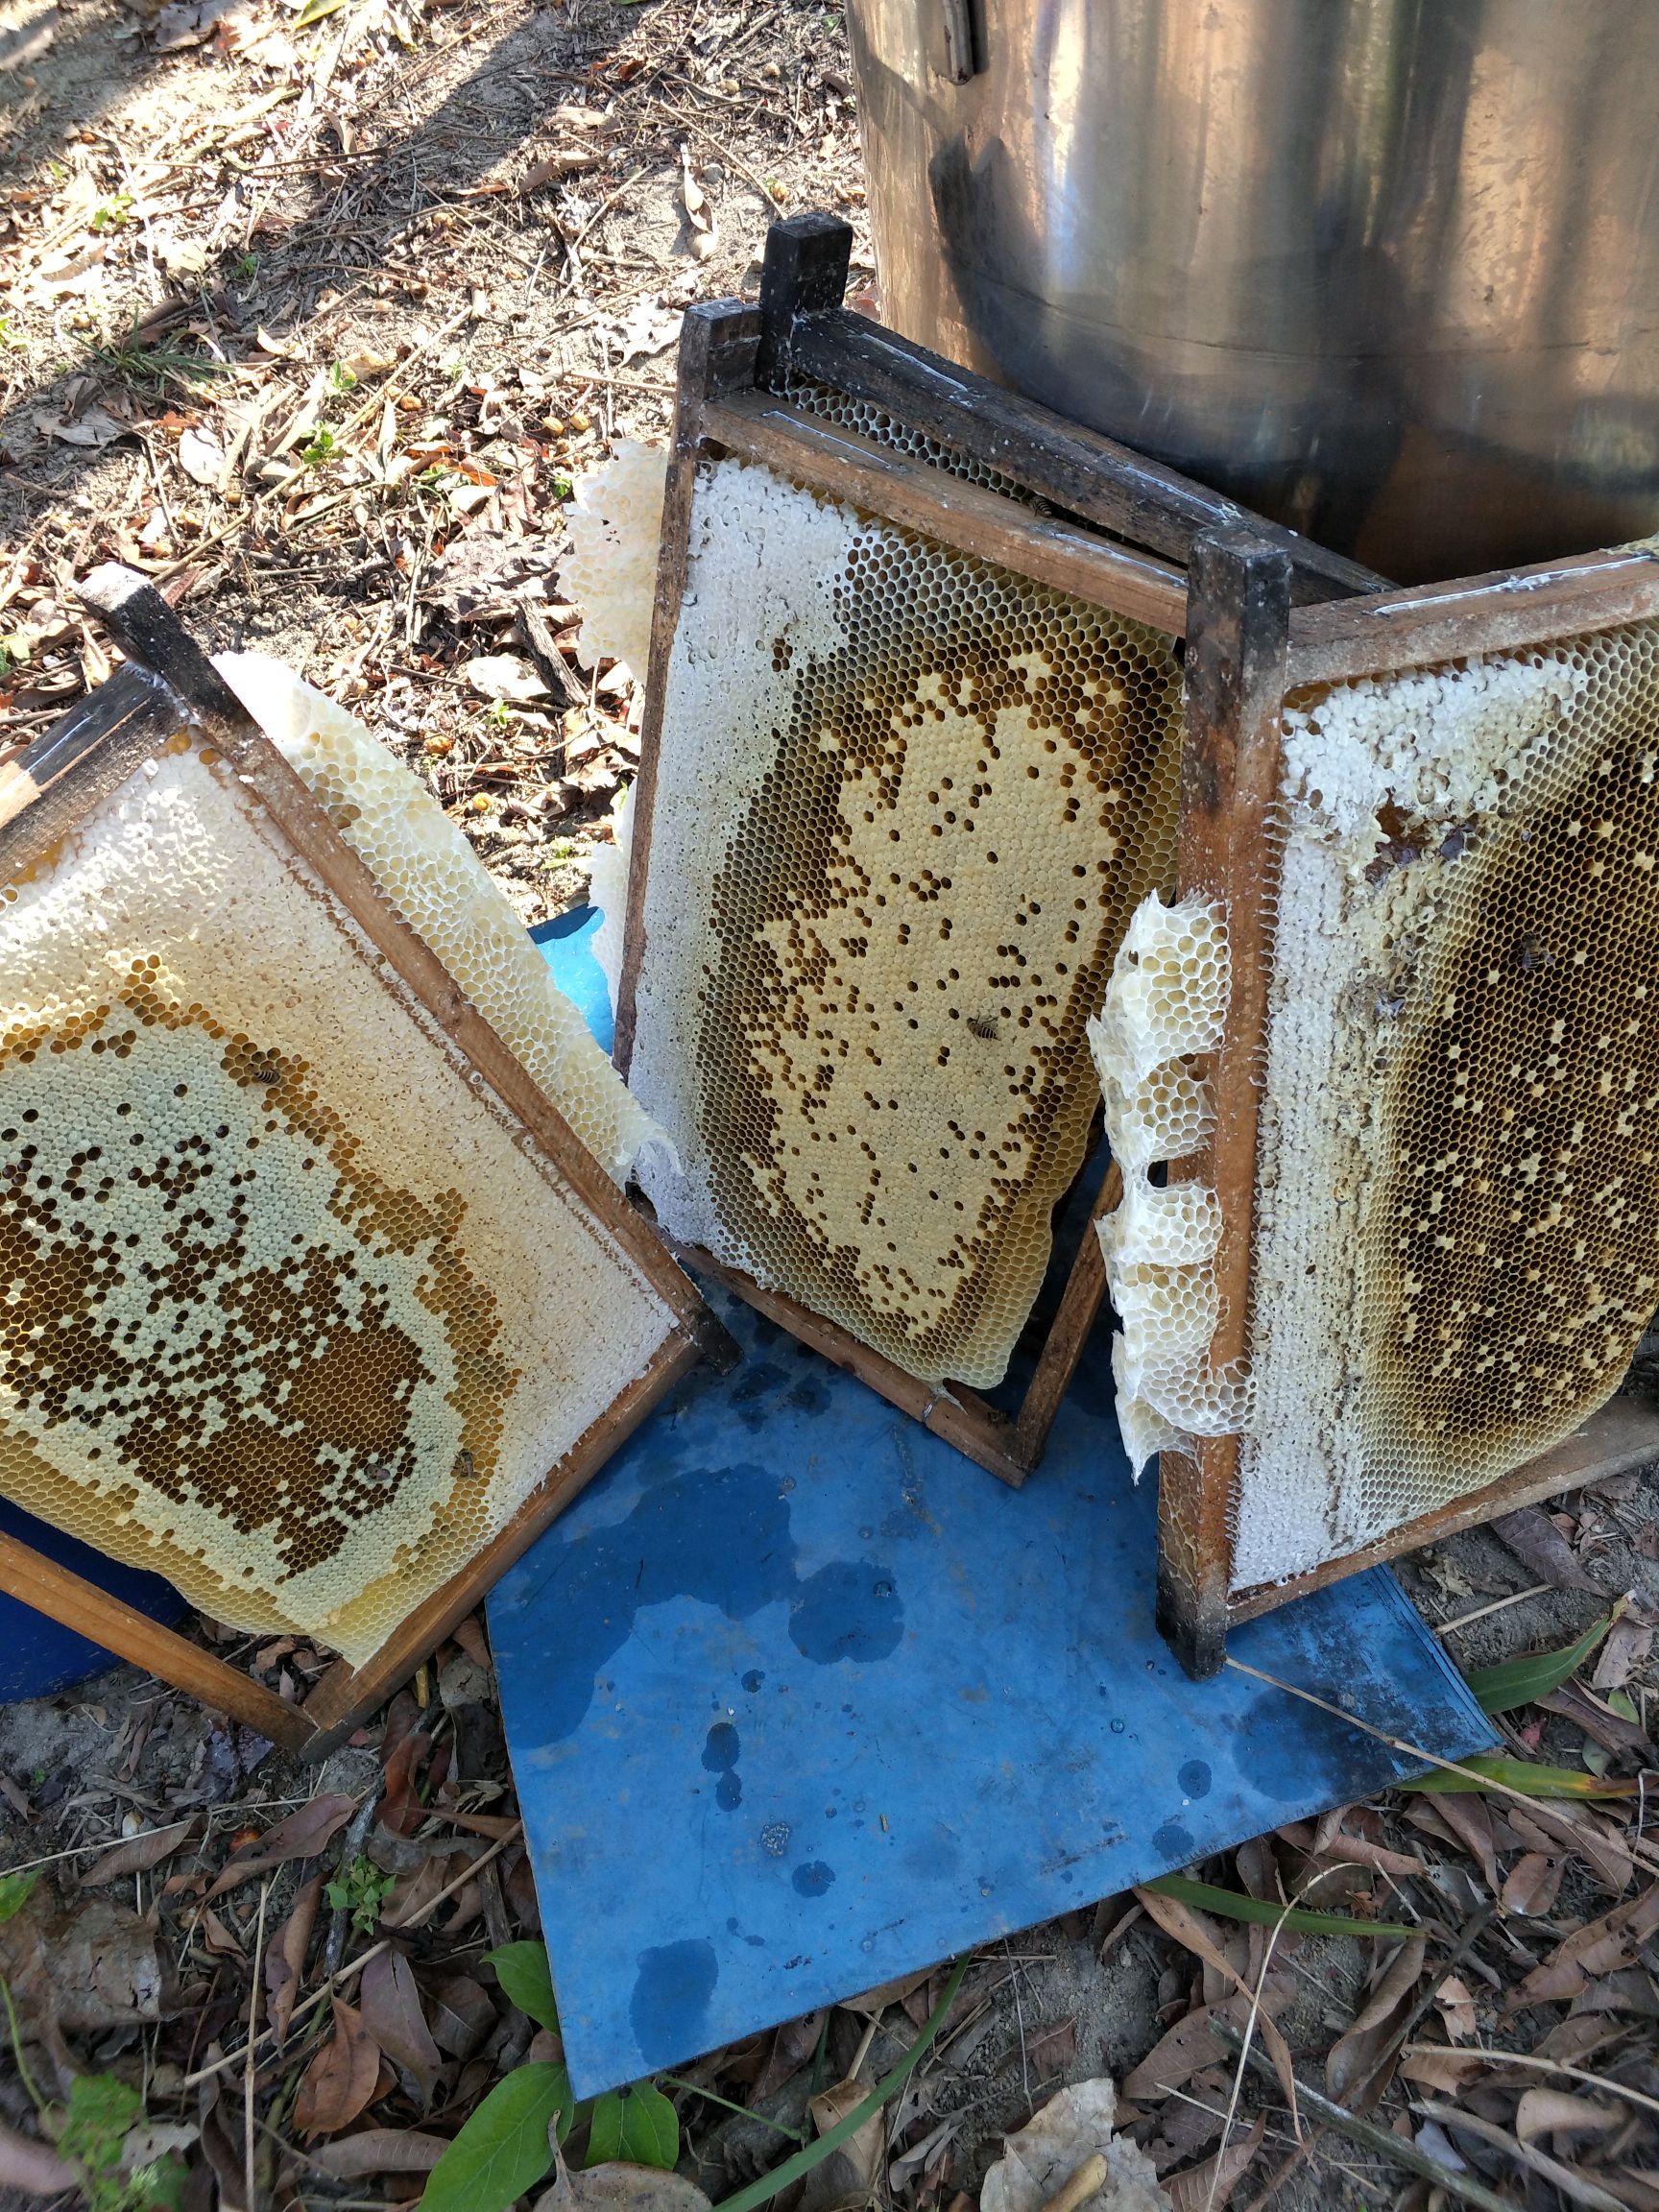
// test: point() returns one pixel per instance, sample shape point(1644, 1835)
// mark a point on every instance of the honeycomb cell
point(1166, 1003)
point(907, 802)
point(616, 520)
point(426, 869)
point(287, 1311)
point(1457, 1204)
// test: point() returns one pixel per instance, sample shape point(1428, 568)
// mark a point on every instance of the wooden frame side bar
point(1236, 648)
point(1394, 630)
point(807, 331)
point(718, 345)
point(67, 1597)
point(920, 497)
point(1624, 1434)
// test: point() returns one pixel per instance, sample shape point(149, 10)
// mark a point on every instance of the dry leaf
point(1536, 1541)
point(302, 1835)
point(1554, 2112)
point(1358, 2065)
point(504, 676)
point(138, 1855)
point(1071, 2128)
point(1532, 1884)
point(1628, 1644)
point(1451, 2073)
point(392, 2014)
point(644, 330)
point(1191, 1930)
point(201, 456)
point(93, 1967)
point(1204, 2187)
point(618, 2187)
point(378, 2150)
point(1181, 2051)
point(95, 429)
point(187, 23)
point(699, 216)
point(1455, 2004)
point(285, 1958)
point(341, 2079)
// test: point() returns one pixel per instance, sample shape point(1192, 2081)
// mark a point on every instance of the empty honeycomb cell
point(907, 803)
point(1168, 991)
point(615, 521)
point(1166, 1002)
point(287, 1311)
point(1458, 1203)
point(426, 869)
point(1167, 1115)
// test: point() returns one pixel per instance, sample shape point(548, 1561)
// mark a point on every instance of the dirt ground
point(316, 314)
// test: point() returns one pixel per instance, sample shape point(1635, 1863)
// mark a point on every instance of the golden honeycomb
point(907, 803)
point(288, 1312)
point(425, 866)
point(1457, 1245)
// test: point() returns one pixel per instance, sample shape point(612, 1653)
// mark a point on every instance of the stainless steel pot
point(1387, 270)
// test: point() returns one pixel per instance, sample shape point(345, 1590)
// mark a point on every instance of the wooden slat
point(1229, 778)
point(1094, 476)
point(73, 1602)
point(718, 343)
point(927, 499)
point(979, 1430)
point(1624, 1434)
point(346, 1694)
point(1079, 1305)
point(1494, 613)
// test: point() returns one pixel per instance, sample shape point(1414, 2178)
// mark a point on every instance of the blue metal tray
point(800, 1700)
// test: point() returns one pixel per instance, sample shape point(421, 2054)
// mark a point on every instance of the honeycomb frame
point(1428, 1118)
point(446, 1311)
point(979, 532)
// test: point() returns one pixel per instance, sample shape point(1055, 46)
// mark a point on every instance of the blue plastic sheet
point(798, 1699)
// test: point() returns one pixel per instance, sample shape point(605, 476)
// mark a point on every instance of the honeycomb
point(1458, 1205)
point(883, 429)
point(426, 869)
point(287, 1311)
point(1166, 1002)
point(907, 803)
point(616, 520)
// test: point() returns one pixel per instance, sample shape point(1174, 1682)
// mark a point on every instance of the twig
point(248, 2077)
point(350, 1849)
point(1537, 2065)
point(1570, 2182)
point(1392, 2149)
point(726, 154)
point(1497, 1605)
point(1537, 1809)
point(357, 1965)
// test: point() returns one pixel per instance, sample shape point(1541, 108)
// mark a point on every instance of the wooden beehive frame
point(1247, 648)
point(733, 360)
point(168, 684)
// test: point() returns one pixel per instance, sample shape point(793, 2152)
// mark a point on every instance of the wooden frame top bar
point(1391, 629)
point(1094, 476)
point(922, 497)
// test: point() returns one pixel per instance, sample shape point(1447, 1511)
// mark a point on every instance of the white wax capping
point(615, 521)
point(426, 869)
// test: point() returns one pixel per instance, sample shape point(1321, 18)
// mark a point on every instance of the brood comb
point(1443, 1190)
point(305, 1289)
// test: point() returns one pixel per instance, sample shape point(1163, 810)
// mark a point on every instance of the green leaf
point(639, 2125)
point(102, 2108)
point(1232, 1905)
point(314, 12)
point(527, 1980)
point(503, 2149)
point(1521, 1775)
point(1536, 1674)
point(14, 1891)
